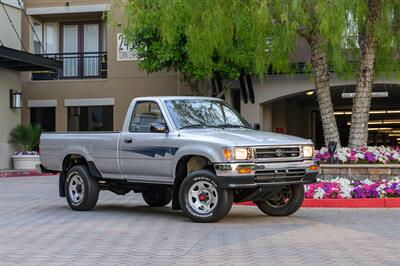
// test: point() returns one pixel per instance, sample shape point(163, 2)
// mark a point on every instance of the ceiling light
point(378, 112)
point(380, 94)
point(309, 93)
point(379, 128)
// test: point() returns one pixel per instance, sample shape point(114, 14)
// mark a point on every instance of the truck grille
point(279, 175)
point(277, 152)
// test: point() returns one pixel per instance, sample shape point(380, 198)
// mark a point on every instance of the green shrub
point(26, 136)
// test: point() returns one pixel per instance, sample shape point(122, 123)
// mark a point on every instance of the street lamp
point(15, 99)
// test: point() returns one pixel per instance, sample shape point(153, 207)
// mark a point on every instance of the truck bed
point(100, 147)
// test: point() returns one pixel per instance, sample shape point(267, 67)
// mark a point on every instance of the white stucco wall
point(7, 33)
point(9, 79)
point(9, 118)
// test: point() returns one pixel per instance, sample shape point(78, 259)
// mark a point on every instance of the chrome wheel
point(203, 197)
point(281, 199)
point(76, 189)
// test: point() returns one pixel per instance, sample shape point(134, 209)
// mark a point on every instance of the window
point(81, 40)
point(90, 118)
point(51, 38)
point(37, 38)
point(145, 115)
point(45, 117)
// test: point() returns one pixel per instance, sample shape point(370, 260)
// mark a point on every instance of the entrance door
point(45, 117)
point(146, 156)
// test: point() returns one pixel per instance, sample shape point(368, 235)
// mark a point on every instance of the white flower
point(381, 190)
point(319, 193)
point(367, 182)
point(345, 192)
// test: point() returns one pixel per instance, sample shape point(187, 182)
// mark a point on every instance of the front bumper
point(266, 174)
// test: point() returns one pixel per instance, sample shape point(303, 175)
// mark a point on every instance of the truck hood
point(242, 137)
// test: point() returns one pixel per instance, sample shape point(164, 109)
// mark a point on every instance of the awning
point(23, 61)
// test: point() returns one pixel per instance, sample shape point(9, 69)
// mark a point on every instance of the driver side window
point(144, 116)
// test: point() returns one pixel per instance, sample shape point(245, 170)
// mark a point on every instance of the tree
point(166, 36)
point(320, 24)
point(376, 47)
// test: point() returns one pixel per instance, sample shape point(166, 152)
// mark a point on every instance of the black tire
point(85, 186)
point(284, 208)
point(157, 196)
point(219, 206)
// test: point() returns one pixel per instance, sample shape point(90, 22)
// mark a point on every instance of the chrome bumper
point(266, 174)
point(231, 169)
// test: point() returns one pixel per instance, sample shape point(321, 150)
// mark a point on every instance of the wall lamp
point(15, 99)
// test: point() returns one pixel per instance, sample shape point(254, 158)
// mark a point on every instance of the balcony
point(91, 65)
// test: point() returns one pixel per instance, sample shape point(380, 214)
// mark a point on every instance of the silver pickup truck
point(196, 151)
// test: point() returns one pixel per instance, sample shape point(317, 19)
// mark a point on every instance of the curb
point(23, 173)
point(345, 203)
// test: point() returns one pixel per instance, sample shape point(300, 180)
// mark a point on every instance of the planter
point(25, 162)
point(345, 203)
point(374, 172)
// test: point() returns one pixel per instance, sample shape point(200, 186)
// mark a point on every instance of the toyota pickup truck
point(197, 152)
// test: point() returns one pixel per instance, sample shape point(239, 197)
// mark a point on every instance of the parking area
point(37, 227)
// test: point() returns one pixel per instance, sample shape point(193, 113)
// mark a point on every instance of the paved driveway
point(37, 227)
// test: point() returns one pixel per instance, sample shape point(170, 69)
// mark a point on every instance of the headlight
point(242, 153)
point(308, 151)
point(238, 153)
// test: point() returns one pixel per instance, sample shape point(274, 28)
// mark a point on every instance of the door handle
point(128, 140)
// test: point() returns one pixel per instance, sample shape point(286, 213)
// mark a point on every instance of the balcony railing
point(76, 66)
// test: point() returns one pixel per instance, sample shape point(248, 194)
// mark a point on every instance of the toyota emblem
point(278, 153)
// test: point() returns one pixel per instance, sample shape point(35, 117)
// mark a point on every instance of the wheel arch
point(185, 165)
point(69, 161)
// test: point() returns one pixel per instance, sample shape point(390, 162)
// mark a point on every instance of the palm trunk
point(362, 99)
point(322, 82)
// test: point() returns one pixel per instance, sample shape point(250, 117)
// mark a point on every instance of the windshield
point(194, 113)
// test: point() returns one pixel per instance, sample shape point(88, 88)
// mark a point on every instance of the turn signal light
point(244, 170)
point(314, 168)
point(228, 154)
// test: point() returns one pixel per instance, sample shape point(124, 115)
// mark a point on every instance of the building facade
point(100, 73)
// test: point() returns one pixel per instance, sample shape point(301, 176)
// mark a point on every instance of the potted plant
point(28, 137)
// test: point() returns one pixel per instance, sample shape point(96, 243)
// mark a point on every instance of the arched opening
point(298, 114)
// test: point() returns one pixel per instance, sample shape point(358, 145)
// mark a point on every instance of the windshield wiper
point(193, 126)
point(230, 126)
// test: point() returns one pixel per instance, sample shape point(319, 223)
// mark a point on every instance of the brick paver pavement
point(38, 228)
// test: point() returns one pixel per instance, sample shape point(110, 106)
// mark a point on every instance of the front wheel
point(286, 202)
point(201, 198)
point(82, 190)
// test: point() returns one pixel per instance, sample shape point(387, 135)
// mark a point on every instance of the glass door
point(91, 40)
point(70, 50)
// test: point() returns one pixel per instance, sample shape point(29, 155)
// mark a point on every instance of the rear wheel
point(82, 190)
point(286, 202)
point(202, 200)
point(157, 196)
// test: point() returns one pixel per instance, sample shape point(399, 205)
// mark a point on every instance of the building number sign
point(125, 51)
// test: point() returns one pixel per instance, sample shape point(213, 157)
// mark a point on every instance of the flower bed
point(342, 188)
point(368, 155)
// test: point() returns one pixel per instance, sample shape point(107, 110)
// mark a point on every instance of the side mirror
point(255, 126)
point(158, 128)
